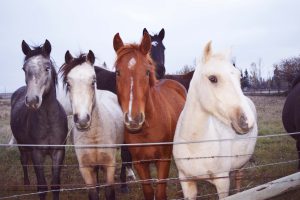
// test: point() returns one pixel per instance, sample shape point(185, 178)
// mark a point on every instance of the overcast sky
point(268, 29)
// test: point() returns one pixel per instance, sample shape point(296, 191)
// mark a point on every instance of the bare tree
point(287, 69)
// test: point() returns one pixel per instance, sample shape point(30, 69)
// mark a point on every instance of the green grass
point(268, 150)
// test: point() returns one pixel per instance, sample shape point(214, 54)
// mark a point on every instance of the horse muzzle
point(82, 123)
point(134, 124)
point(241, 125)
point(32, 102)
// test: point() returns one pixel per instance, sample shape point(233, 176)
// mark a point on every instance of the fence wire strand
point(152, 181)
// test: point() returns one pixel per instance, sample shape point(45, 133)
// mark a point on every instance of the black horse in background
point(158, 56)
point(291, 113)
point(38, 118)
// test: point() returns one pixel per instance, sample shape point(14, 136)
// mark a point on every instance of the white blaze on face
point(131, 63)
point(154, 43)
point(130, 99)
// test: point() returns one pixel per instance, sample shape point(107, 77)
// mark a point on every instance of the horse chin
point(238, 130)
point(82, 128)
point(33, 107)
point(134, 129)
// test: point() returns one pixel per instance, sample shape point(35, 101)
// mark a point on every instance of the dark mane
point(67, 67)
point(296, 81)
point(37, 50)
point(135, 49)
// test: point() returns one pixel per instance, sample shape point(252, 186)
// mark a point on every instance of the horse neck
point(50, 96)
point(96, 119)
point(196, 121)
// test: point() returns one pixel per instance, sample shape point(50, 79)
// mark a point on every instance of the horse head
point(80, 79)
point(40, 73)
point(220, 94)
point(158, 52)
point(135, 75)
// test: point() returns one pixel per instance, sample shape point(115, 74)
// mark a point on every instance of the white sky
point(268, 29)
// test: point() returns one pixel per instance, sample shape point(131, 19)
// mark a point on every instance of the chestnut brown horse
point(151, 110)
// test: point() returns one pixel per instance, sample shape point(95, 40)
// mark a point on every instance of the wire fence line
point(152, 181)
point(149, 143)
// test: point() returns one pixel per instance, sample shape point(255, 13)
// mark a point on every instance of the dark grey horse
point(37, 117)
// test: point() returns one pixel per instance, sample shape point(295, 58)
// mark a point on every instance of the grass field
point(268, 150)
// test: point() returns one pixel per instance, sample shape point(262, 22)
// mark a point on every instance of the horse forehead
point(221, 66)
point(131, 63)
point(36, 61)
point(82, 72)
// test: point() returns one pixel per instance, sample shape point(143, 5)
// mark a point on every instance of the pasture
point(260, 170)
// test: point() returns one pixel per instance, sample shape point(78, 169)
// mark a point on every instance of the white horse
point(97, 120)
point(215, 109)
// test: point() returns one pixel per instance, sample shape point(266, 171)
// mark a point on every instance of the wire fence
point(77, 187)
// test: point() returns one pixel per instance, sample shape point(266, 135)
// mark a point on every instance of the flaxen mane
point(135, 50)
point(67, 67)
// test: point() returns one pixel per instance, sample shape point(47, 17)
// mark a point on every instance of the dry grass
point(268, 150)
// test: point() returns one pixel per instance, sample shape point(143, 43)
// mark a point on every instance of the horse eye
point(213, 79)
point(148, 72)
point(68, 86)
point(48, 69)
point(93, 83)
point(118, 73)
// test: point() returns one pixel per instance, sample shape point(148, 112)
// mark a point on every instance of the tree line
point(284, 73)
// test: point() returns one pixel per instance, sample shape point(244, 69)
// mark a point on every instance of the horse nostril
point(126, 118)
point(243, 122)
point(76, 118)
point(142, 118)
point(88, 117)
point(37, 99)
point(26, 99)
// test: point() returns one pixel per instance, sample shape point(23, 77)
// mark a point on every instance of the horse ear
point(145, 31)
point(68, 57)
point(90, 57)
point(47, 47)
point(25, 48)
point(161, 34)
point(207, 52)
point(145, 45)
point(118, 43)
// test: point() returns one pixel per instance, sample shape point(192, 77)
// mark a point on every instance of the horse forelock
point(67, 67)
point(134, 50)
point(37, 50)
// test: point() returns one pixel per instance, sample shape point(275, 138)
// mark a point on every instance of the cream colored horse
point(97, 120)
point(215, 109)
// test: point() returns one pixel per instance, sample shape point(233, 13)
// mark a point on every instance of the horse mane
point(67, 67)
point(135, 49)
point(296, 81)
